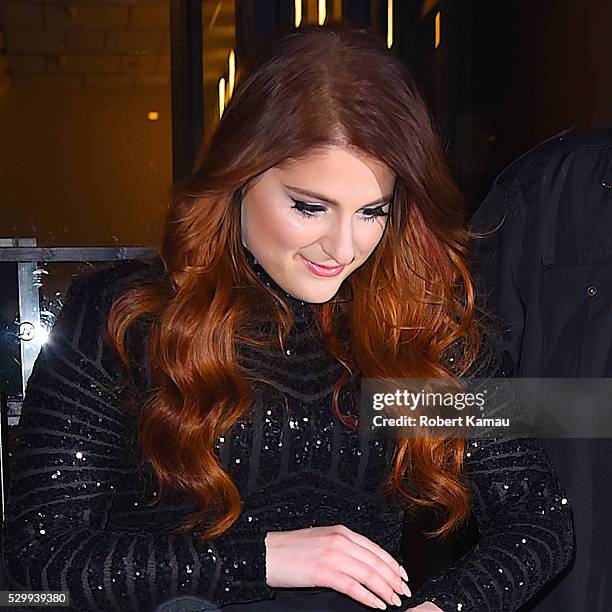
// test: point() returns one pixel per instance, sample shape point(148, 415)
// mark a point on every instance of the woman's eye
point(308, 210)
point(371, 213)
point(311, 210)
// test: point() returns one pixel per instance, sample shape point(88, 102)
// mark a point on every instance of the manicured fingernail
point(381, 604)
point(403, 572)
point(396, 600)
point(406, 589)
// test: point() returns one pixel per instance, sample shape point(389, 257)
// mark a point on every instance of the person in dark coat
point(547, 274)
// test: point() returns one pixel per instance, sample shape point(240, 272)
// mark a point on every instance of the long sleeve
point(72, 462)
point(496, 258)
point(525, 524)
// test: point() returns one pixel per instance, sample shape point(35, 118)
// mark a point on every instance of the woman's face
point(329, 209)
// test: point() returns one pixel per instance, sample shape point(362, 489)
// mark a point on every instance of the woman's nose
point(339, 243)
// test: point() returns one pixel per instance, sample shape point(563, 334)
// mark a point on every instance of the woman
point(190, 428)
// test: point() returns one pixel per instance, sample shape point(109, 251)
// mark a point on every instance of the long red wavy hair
point(307, 88)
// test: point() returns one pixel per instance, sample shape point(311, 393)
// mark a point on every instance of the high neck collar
point(301, 310)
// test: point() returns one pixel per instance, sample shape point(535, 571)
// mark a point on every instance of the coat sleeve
point(495, 260)
point(71, 459)
point(524, 519)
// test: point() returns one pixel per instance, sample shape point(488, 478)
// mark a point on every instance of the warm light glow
point(389, 23)
point(322, 10)
point(337, 10)
point(427, 6)
point(232, 71)
point(437, 29)
point(298, 12)
point(221, 96)
point(153, 116)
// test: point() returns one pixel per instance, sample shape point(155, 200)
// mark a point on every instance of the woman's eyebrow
point(318, 196)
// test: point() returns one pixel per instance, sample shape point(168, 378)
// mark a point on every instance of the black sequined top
point(78, 520)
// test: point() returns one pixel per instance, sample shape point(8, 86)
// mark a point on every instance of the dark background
point(82, 165)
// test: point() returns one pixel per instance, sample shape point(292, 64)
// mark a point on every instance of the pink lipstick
point(322, 270)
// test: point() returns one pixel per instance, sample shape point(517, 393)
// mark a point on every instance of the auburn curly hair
point(307, 88)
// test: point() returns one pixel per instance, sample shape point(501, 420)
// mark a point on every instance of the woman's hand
point(426, 606)
point(334, 557)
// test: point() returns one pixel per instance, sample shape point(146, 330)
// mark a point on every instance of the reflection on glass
point(31, 305)
point(10, 360)
point(317, 11)
point(218, 58)
point(85, 121)
point(34, 294)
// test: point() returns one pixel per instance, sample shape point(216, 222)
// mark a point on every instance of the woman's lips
point(322, 270)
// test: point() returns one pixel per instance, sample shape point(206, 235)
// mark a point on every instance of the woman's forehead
point(333, 162)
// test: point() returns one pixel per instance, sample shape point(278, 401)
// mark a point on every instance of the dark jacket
point(547, 273)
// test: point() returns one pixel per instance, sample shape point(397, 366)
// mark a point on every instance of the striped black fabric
point(79, 518)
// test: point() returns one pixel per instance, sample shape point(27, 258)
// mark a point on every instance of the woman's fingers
point(346, 557)
point(373, 580)
point(389, 567)
point(375, 548)
point(378, 576)
point(344, 583)
point(334, 557)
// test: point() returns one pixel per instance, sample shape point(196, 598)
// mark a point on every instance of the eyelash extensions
point(310, 211)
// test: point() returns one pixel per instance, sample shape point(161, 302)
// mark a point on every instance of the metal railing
point(28, 258)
